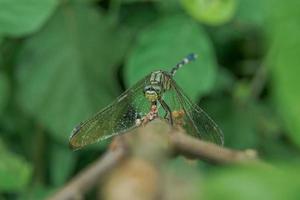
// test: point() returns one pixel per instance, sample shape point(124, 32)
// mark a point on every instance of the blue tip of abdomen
point(192, 57)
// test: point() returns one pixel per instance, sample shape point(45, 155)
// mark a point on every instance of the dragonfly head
point(152, 92)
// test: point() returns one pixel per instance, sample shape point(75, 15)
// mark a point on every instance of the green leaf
point(66, 71)
point(38, 192)
point(253, 182)
point(132, 1)
point(62, 162)
point(4, 92)
point(137, 16)
point(284, 62)
point(224, 82)
point(214, 12)
point(239, 129)
point(24, 17)
point(168, 6)
point(15, 172)
point(251, 12)
point(166, 42)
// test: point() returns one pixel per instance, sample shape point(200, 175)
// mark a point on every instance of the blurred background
point(63, 60)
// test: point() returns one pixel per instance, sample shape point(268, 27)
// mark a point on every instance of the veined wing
point(196, 121)
point(119, 117)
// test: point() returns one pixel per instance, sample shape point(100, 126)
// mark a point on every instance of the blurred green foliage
point(284, 59)
point(154, 50)
point(61, 61)
point(254, 182)
point(4, 91)
point(14, 171)
point(25, 17)
point(215, 12)
point(66, 47)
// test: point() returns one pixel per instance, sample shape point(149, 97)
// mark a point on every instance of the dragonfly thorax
point(159, 82)
point(129, 111)
point(156, 77)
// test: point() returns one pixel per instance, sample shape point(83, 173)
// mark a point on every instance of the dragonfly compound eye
point(125, 113)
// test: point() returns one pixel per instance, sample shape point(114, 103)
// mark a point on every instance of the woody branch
point(156, 141)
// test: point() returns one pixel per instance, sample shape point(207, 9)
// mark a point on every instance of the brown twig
point(140, 143)
point(88, 177)
point(191, 147)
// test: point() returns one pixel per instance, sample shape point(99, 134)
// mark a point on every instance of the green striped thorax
point(122, 116)
point(160, 80)
point(158, 84)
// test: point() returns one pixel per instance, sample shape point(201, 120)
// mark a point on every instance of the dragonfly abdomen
point(186, 60)
point(129, 111)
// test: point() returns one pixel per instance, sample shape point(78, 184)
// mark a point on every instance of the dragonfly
point(157, 95)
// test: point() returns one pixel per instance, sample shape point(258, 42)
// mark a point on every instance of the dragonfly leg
point(168, 111)
point(151, 115)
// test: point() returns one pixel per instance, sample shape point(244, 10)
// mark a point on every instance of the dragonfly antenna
point(186, 60)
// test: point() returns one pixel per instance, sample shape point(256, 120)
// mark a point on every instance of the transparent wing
point(194, 120)
point(119, 117)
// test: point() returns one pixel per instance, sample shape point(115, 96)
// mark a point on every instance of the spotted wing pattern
point(119, 117)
